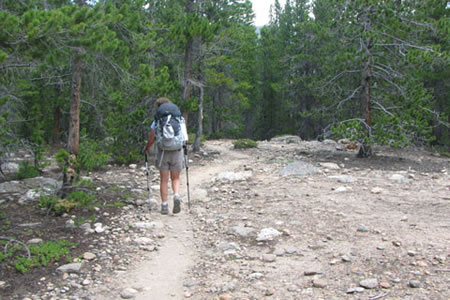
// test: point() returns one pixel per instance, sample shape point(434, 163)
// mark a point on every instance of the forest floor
point(339, 228)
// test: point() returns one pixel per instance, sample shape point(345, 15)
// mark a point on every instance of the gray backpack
point(168, 133)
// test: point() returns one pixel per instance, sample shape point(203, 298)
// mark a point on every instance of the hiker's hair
point(162, 100)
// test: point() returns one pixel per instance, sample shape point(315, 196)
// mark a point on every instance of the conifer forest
point(84, 76)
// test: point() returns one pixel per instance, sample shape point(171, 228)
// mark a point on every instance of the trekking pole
point(147, 172)
point(186, 162)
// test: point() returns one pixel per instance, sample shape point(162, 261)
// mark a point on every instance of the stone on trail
point(344, 178)
point(330, 165)
point(70, 268)
point(299, 168)
point(200, 195)
point(279, 252)
point(267, 234)
point(128, 293)
point(371, 283)
point(86, 227)
point(319, 283)
point(341, 189)
point(143, 241)
point(242, 231)
point(149, 225)
point(399, 178)
point(234, 176)
point(191, 283)
point(414, 284)
point(89, 256)
point(70, 224)
point(269, 257)
point(354, 290)
point(35, 241)
point(362, 228)
point(377, 190)
point(225, 297)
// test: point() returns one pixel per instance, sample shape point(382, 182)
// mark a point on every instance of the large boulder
point(31, 189)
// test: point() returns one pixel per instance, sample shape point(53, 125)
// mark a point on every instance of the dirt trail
point(348, 229)
point(161, 275)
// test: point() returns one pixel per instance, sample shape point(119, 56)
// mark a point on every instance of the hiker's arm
point(151, 140)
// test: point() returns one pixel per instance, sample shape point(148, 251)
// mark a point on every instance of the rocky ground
point(287, 220)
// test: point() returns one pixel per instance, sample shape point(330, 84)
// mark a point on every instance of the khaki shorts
point(169, 160)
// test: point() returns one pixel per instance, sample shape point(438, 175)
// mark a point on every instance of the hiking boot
point(176, 204)
point(164, 209)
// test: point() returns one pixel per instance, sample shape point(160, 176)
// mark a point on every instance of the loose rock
point(369, 283)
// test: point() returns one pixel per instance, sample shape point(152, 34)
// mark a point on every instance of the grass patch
point(116, 204)
point(116, 188)
point(245, 144)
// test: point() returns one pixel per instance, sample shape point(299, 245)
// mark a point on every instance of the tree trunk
point(213, 112)
point(56, 120)
point(73, 142)
point(200, 122)
point(365, 149)
point(188, 53)
point(365, 94)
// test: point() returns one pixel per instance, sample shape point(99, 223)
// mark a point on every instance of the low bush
point(26, 170)
point(245, 144)
point(75, 199)
point(41, 255)
point(90, 156)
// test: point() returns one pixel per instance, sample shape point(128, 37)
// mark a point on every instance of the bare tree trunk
point(200, 121)
point(56, 120)
point(365, 149)
point(213, 112)
point(188, 54)
point(73, 142)
point(366, 95)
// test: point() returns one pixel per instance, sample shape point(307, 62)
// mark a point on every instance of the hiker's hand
point(144, 150)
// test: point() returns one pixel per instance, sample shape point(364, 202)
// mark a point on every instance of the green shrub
point(42, 255)
point(61, 158)
point(244, 144)
point(90, 156)
point(56, 204)
point(48, 201)
point(75, 199)
point(84, 183)
point(26, 170)
point(81, 199)
point(5, 223)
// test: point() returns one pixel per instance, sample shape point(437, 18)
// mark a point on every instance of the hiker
point(169, 132)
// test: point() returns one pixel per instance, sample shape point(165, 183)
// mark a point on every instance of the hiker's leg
point(164, 184)
point(175, 178)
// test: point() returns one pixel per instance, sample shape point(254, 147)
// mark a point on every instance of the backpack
point(168, 133)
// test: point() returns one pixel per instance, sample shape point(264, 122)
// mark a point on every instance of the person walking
point(169, 132)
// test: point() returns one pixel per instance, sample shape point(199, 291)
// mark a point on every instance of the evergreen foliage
point(374, 71)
